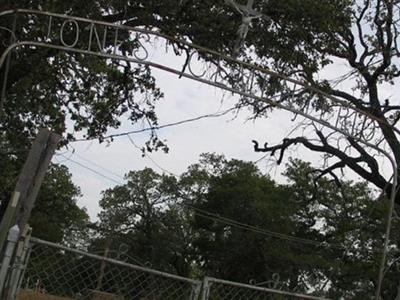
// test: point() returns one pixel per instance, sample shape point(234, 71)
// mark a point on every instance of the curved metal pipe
point(245, 94)
point(201, 49)
point(189, 76)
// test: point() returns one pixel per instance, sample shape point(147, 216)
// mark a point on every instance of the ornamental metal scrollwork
point(141, 47)
point(263, 86)
point(10, 32)
point(122, 252)
point(190, 67)
point(273, 283)
point(261, 94)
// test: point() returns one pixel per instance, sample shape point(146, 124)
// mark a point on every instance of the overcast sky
point(230, 135)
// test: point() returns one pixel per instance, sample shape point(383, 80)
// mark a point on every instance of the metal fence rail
point(61, 271)
point(218, 289)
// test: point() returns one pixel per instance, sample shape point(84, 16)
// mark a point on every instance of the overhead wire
point(69, 159)
point(158, 127)
point(213, 216)
point(150, 158)
point(99, 166)
point(63, 154)
point(74, 153)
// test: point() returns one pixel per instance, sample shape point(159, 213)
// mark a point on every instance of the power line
point(73, 153)
point(99, 166)
point(90, 169)
point(65, 157)
point(150, 158)
point(213, 115)
point(255, 229)
point(237, 224)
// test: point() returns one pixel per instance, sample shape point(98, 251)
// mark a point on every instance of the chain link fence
point(218, 289)
point(62, 273)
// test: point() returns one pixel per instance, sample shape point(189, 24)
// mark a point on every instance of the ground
point(29, 295)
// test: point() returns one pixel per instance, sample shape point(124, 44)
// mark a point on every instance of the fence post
point(18, 266)
point(103, 264)
point(196, 291)
point(26, 262)
point(205, 292)
point(12, 240)
point(8, 216)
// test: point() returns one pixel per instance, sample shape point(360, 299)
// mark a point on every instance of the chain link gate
point(72, 274)
point(52, 38)
point(218, 289)
point(61, 271)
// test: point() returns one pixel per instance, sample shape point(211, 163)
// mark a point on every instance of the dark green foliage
point(139, 215)
point(48, 87)
point(68, 92)
point(299, 38)
point(56, 216)
point(223, 218)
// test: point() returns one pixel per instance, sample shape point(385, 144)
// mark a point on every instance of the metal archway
point(218, 77)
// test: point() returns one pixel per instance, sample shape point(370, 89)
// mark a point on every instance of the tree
point(48, 88)
point(349, 215)
point(295, 38)
point(300, 38)
point(56, 216)
point(11, 161)
point(239, 192)
point(322, 236)
point(226, 219)
point(142, 214)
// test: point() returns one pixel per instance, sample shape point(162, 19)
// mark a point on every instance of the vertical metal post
point(25, 266)
point(12, 240)
point(7, 70)
point(103, 264)
point(7, 219)
point(18, 266)
point(392, 202)
point(205, 292)
point(196, 290)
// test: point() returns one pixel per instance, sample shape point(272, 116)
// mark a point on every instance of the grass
point(29, 295)
point(93, 295)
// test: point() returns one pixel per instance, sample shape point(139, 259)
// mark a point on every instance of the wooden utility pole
point(29, 181)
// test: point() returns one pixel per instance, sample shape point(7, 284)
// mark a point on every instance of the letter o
point(75, 24)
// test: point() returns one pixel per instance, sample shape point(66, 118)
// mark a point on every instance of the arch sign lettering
point(248, 80)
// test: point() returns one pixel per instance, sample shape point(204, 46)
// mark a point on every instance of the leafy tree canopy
point(224, 218)
point(141, 214)
point(56, 216)
point(295, 38)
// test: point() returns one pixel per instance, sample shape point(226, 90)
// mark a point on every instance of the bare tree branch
point(345, 160)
